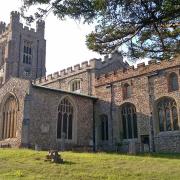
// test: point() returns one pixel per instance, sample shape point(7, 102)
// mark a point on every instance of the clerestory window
point(75, 85)
point(173, 82)
point(126, 91)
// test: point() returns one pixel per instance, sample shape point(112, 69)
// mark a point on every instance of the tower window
point(27, 54)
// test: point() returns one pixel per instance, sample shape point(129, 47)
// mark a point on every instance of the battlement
point(3, 24)
point(15, 13)
point(141, 69)
point(26, 28)
point(15, 17)
point(4, 32)
point(15, 23)
point(79, 68)
point(3, 27)
point(41, 23)
point(40, 26)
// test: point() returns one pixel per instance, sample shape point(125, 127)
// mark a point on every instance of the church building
point(97, 105)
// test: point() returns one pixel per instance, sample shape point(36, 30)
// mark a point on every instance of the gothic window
point(129, 121)
point(167, 114)
point(9, 118)
point(75, 85)
point(65, 119)
point(104, 127)
point(27, 54)
point(173, 82)
point(126, 91)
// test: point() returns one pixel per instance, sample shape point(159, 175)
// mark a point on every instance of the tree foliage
point(148, 28)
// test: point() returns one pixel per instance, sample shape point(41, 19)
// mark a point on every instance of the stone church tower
point(22, 50)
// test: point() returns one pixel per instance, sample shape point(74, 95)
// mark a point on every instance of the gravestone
point(63, 142)
point(54, 156)
point(132, 147)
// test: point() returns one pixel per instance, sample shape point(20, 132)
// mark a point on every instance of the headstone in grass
point(63, 142)
point(132, 147)
point(54, 156)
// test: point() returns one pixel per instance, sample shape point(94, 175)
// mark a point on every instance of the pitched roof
point(62, 91)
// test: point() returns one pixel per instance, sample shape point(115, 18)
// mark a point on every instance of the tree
point(148, 28)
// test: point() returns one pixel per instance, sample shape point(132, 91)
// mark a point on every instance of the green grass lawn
point(28, 164)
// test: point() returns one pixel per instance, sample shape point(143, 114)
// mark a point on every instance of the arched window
point(129, 121)
point(65, 119)
point(126, 91)
point(167, 114)
point(75, 85)
point(9, 118)
point(104, 127)
point(173, 82)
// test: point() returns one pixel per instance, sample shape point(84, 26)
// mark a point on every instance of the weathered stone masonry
point(149, 83)
point(38, 114)
point(22, 50)
point(104, 104)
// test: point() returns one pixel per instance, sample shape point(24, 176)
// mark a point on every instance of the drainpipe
point(37, 60)
point(151, 101)
point(111, 108)
point(19, 60)
point(94, 128)
point(152, 133)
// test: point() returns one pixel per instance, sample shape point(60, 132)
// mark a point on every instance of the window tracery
point(129, 121)
point(65, 119)
point(9, 118)
point(167, 114)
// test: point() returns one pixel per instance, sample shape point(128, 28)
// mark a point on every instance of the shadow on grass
point(152, 155)
point(161, 155)
point(68, 163)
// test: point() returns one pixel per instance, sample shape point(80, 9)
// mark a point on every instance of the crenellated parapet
point(15, 24)
point(70, 71)
point(15, 16)
point(140, 70)
point(2, 27)
point(26, 28)
point(93, 64)
point(40, 27)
